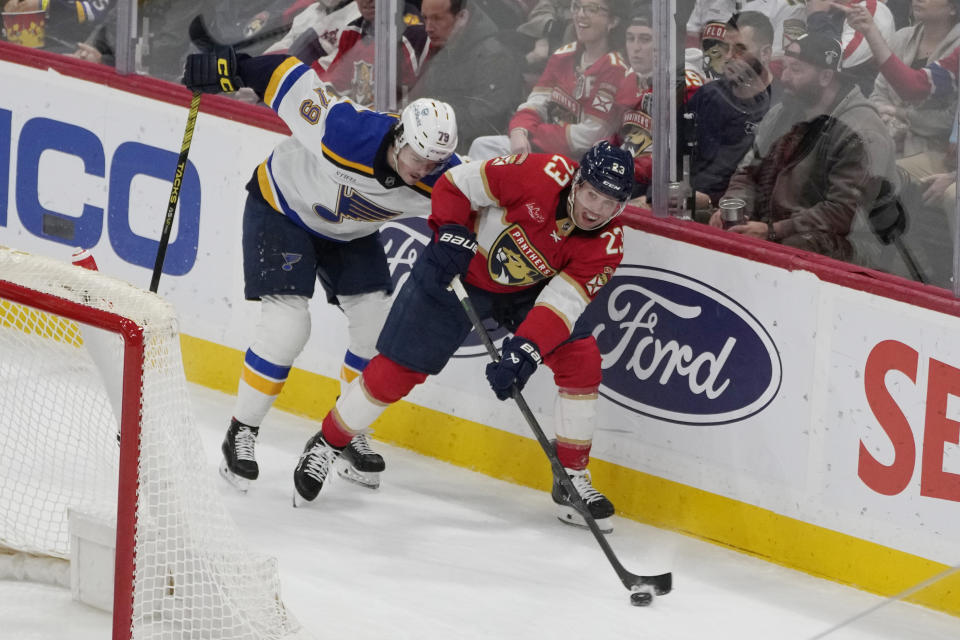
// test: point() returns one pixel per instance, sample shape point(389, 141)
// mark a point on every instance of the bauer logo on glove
point(464, 241)
point(518, 361)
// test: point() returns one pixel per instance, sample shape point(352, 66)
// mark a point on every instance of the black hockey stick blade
point(661, 584)
point(202, 39)
point(200, 35)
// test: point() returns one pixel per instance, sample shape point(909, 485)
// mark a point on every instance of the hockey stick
point(175, 191)
point(661, 584)
point(201, 38)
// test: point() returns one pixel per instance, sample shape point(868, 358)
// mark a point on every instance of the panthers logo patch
point(513, 261)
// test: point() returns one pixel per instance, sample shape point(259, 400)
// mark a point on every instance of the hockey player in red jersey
point(546, 247)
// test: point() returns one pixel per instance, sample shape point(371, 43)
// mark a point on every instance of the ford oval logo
point(679, 350)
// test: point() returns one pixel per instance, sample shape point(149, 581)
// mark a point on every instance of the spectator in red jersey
point(548, 247)
point(582, 94)
point(351, 72)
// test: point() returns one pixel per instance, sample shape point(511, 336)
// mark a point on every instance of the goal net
point(66, 336)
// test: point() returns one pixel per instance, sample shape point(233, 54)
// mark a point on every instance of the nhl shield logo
point(513, 261)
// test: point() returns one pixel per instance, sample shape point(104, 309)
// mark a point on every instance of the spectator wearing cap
point(857, 60)
point(821, 162)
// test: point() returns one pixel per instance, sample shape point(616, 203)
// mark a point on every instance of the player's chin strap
point(660, 584)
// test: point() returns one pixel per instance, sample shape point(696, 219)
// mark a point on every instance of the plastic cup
point(732, 211)
point(26, 28)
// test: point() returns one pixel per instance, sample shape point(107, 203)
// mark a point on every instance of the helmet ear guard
point(429, 127)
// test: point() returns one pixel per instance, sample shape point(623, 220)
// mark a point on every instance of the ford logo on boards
point(679, 350)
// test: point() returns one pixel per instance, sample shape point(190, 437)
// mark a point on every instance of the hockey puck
point(641, 598)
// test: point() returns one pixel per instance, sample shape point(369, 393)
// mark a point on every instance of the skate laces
point(581, 482)
point(243, 443)
point(318, 460)
point(361, 445)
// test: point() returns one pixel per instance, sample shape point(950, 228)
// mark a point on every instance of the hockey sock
point(335, 433)
point(353, 365)
point(366, 313)
point(282, 332)
point(573, 454)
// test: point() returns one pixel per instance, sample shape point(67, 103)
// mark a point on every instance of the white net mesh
point(193, 576)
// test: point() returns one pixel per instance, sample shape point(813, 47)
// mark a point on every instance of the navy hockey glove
point(518, 361)
point(447, 256)
point(214, 71)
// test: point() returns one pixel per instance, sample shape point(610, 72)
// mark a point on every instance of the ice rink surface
point(442, 553)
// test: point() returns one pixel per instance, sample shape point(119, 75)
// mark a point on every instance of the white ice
point(439, 552)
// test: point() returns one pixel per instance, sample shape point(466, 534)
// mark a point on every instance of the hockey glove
point(518, 361)
point(447, 256)
point(214, 71)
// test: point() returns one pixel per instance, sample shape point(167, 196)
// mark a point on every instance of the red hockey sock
point(573, 455)
point(336, 435)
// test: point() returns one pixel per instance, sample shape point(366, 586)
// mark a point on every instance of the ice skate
point(312, 469)
point(239, 465)
point(600, 508)
point(360, 464)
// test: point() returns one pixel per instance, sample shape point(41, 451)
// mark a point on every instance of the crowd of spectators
point(783, 103)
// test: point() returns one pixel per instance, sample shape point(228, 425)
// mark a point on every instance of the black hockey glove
point(447, 256)
point(518, 361)
point(213, 71)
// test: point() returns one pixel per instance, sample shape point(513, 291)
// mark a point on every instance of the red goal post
point(181, 567)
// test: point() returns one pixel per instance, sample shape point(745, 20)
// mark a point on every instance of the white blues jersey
point(331, 175)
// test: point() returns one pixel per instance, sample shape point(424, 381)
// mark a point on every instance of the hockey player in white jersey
point(312, 213)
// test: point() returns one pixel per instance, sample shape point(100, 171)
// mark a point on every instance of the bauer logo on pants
point(678, 350)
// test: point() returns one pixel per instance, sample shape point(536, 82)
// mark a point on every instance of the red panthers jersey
point(351, 71)
point(569, 110)
point(517, 206)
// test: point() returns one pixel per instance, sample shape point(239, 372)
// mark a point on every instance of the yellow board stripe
point(277, 78)
point(261, 384)
point(637, 495)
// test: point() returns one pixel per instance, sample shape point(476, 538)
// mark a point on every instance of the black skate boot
point(600, 508)
point(312, 469)
point(360, 464)
point(239, 466)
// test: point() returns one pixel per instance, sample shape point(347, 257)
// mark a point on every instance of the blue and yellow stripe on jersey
point(282, 78)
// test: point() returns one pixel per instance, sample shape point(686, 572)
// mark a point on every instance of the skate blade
point(569, 515)
point(240, 484)
point(299, 501)
point(366, 479)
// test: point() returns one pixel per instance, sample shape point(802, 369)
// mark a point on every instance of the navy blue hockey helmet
point(609, 170)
